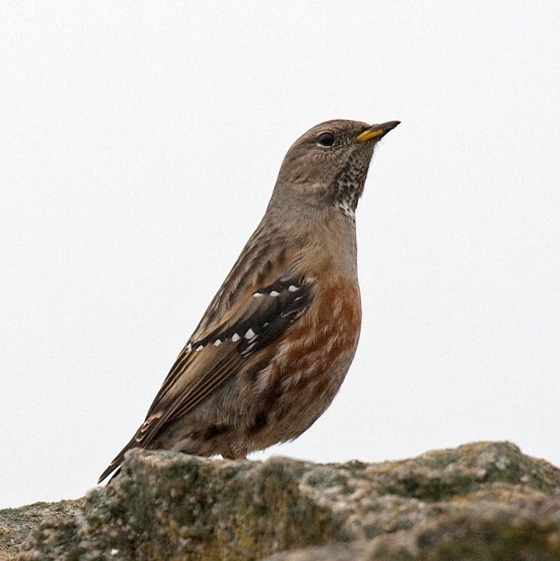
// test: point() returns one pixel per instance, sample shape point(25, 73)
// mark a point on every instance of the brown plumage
point(274, 346)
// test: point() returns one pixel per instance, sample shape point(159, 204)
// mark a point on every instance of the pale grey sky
point(139, 144)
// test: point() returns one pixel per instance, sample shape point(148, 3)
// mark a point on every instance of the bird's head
point(328, 165)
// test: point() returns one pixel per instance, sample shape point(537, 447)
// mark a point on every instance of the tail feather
point(119, 458)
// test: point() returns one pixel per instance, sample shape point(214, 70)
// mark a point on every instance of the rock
point(16, 523)
point(526, 531)
point(479, 501)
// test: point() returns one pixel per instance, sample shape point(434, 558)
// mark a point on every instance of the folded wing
point(262, 315)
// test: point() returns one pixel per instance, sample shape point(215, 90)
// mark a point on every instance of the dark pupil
point(326, 139)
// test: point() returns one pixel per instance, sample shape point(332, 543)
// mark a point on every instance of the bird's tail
point(116, 463)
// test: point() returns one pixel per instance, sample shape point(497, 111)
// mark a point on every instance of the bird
point(275, 344)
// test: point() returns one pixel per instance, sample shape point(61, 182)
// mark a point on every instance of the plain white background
point(139, 144)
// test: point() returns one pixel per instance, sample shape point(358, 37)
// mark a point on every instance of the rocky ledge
point(484, 500)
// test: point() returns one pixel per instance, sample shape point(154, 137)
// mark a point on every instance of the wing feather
point(267, 307)
point(260, 319)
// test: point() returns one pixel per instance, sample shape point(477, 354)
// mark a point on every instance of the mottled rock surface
point(16, 523)
point(480, 501)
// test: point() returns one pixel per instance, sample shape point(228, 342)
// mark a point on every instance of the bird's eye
point(325, 139)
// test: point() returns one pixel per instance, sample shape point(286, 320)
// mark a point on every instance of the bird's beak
point(376, 131)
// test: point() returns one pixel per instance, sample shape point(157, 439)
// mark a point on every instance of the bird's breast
point(318, 349)
point(310, 362)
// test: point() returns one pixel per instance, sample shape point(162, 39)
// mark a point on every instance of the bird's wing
point(206, 362)
point(213, 354)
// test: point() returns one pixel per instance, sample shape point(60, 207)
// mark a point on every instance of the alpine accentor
point(274, 346)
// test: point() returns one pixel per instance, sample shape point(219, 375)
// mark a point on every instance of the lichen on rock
point(477, 501)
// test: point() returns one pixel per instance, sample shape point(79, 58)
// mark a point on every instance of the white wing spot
point(188, 348)
point(250, 334)
point(293, 288)
point(257, 294)
point(274, 294)
point(200, 347)
point(235, 337)
point(217, 343)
